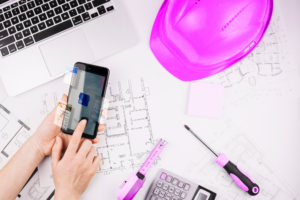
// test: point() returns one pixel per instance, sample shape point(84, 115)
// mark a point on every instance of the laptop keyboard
point(27, 22)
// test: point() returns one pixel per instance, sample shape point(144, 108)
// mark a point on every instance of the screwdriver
point(241, 178)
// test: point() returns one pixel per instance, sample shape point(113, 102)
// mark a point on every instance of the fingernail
point(83, 122)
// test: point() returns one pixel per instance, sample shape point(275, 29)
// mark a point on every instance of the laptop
point(39, 39)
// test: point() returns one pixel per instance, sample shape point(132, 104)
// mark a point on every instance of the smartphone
point(86, 93)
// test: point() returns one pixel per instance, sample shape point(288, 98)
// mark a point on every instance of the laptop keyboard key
point(58, 10)
point(30, 14)
point(4, 51)
point(53, 4)
point(7, 24)
point(14, 5)
point(27, 23)
point(12, 30)
point(18, 36)
point(1, 18)
point(49, 22)
point(8, 15)
point(35, 20)
point(110, 8)
point(66, 7)
point(12, 48)
point(31, 5)
point(38, 10)
point(97, 3)
point(42, 17)
point(53, 30)
point(20, 27)
point(73, 4)
point(7, 41)
point(101, 10)
point(38, 2)
point(14, 20)
point(80, 9)
point(77, 20)
point(86, 16)
point(23, 8)
point(42, 26)
point(81, 2)
point(34, 29)
point(94, 15)
point(65, 16)
point(73, 13)
point(26, 32)
point(15, 11)
point(88, 6)
point(45, 7)
point(20, 44)
point(1, 27)
point(6, 8)
point(28, 41)
point(57, 19)
point(60, 2)
point(50, 13)
point(22, 2)
point(3, 34)
point(22, 17)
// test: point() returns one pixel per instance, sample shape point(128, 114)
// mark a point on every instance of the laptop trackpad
point(66, 51)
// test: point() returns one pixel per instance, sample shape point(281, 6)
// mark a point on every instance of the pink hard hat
point(194, 39)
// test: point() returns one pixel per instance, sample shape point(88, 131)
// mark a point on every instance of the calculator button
point(180, 184)
point(186, 187)
point(156, 191)
point(159, 184)
point(175, 198)
point(153, 197)
point(162, 193)
point(163, 176)
point(175, 181)
point(177, 192)
point(169, 179)
point(165, 187)
point(168, 197)
point(183, 195)
point(171, 189)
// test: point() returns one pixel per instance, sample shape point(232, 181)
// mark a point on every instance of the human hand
point(73, 172)
point(45, 135)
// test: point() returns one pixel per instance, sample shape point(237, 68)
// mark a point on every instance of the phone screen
point(84, 101)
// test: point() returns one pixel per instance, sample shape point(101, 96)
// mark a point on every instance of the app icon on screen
point(84, 99)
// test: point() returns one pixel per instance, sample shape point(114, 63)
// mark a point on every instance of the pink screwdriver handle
point(241, 178)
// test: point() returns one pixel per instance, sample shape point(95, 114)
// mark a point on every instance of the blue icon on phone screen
point(84, 99)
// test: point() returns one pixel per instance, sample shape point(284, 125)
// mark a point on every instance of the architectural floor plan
point(265, 75)
point(198, 164)
point(129, 137)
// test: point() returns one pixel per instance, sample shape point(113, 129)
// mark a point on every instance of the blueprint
point(265, 77)
point(129, 136)
point(197, 163)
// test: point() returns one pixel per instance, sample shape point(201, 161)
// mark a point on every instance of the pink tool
point(194, 39)
point(131, 187)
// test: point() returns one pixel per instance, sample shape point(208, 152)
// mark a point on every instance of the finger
point(85, 148)
point(101, 128)
point(90, 156)
point(96, 140)
point(96, 164)
point(75, 140)
point(56, 151)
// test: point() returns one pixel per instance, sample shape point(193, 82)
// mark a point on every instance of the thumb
point(56, 151)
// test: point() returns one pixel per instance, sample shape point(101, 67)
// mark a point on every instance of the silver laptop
point(39, 39)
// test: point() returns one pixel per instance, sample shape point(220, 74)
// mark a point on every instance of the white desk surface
point(278, 126)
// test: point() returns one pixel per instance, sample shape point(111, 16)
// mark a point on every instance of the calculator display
point(202, 197)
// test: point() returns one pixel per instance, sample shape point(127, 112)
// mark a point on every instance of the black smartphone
point(86, 93)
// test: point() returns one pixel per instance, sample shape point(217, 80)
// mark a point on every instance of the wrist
point(37, 147)
point(65, 196)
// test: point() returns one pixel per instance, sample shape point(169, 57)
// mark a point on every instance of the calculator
point(170, 186)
